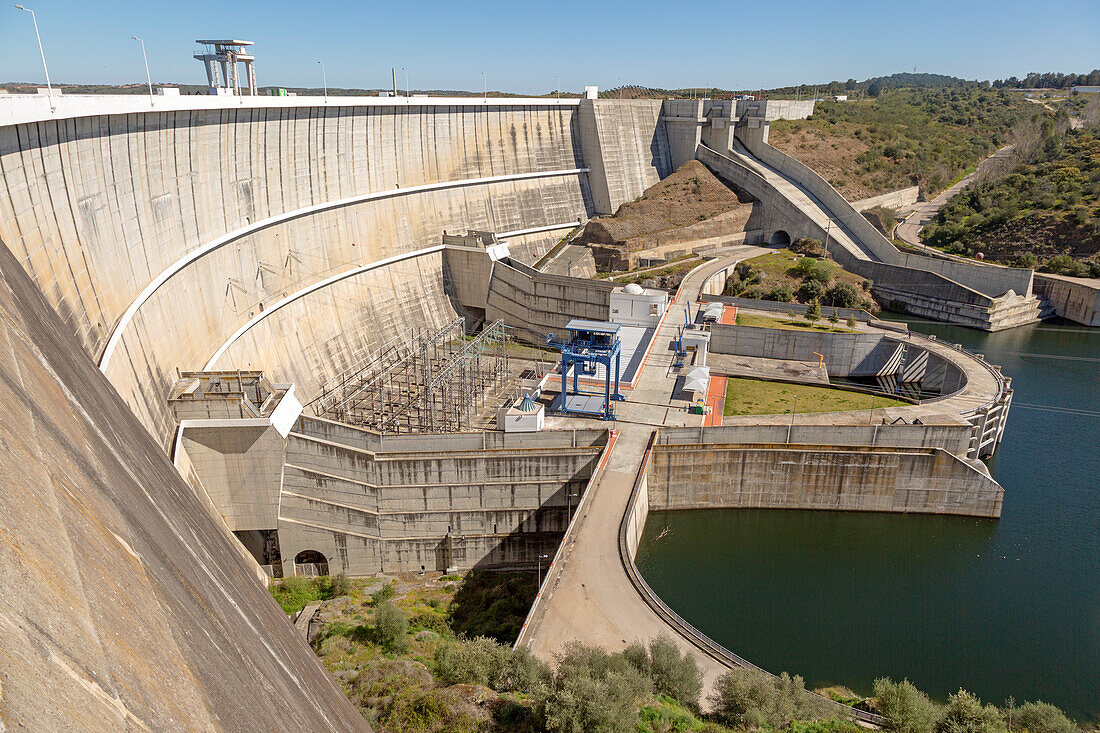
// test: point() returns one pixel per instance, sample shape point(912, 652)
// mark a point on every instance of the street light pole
point(148, 79)
point(557, 87)
point(484, 87)
point(324, 79)
point(407, 94)
point(569, 506)
point(541, 558)
point(42, 53)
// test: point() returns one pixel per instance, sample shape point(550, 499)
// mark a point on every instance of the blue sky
point(521, 46)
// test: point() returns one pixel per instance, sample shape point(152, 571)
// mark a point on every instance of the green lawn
point(757, 397)
point(790, 324)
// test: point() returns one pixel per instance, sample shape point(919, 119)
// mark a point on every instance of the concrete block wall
point(846, 354)
point(908, 480)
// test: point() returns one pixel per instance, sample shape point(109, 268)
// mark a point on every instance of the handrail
point(688, 632)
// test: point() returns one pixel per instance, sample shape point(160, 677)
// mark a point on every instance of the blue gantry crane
point(590, 343)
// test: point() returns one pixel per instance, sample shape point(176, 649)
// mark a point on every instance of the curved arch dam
point(295, 237)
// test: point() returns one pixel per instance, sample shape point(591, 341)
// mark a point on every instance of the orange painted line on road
point(716, 400)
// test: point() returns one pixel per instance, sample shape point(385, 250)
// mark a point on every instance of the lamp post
point(148, 79)
point(34, 19)
point(569, 505)
point(557, 87)
point(324, 79)
point(541, 558)
point(407, 94)
point(484, 87)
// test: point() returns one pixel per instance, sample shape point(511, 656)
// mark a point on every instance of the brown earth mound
point(690, 195)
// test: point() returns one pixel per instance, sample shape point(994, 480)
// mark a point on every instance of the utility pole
point(324, 79)
point(393, 70)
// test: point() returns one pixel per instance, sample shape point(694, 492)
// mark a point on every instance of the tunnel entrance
point(310, 563)
point(780, 239)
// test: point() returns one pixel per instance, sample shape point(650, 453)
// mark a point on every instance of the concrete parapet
point(891, 200)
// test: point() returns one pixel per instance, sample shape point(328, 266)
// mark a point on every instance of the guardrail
point(692, 635)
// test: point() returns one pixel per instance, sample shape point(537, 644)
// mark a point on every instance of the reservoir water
point(1000, 607)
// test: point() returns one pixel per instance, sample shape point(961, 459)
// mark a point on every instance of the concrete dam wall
point(235, 209)
point(126, 604)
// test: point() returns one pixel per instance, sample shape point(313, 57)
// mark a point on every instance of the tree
point(966, 714)
point(751, 698)
point(843, 295)
point(834, 317)
point(591, 691)
point(907, 709)
point(811, 290)
point(1039, 717)
point(851, 321)
point(390, 625)
point(674, 673)
point(781, 293)
point(813, 312)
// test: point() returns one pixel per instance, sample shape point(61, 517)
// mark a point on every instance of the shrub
point(781, 293)
point(383, 594)
point(908, 709)
point(390, 626)
point(755, 292)
point(470, 662)
point(807, 247)
point(431, 621)
point(811, 290)
point(1027, 260)
point(673, 673)
point(750, 698)
point(843, 295)
point(966, 714)
point(834, 317)
point(591, 691)
point(851, 322)
point(809, 268)
point(1039, 717)
point(295, 593)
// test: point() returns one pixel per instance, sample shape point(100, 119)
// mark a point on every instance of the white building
point(633, 305)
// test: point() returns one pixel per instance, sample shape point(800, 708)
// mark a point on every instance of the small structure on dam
point(591, 345)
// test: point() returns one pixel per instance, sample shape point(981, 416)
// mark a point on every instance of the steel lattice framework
point(428, 382)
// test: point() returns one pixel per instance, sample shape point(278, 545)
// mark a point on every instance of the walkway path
point(909, 229)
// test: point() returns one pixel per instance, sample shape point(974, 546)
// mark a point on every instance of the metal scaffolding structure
point(429, 382)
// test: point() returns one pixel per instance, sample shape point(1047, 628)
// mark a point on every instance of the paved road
point(588, 596)
point(924, 212)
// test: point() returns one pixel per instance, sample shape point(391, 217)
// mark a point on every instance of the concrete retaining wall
point(907, 480)
point(990, 280)
point(385, 504)
point(952, 436)
point(1077, 299)
point(891, 200)
point(536, 304)
point(846, 354)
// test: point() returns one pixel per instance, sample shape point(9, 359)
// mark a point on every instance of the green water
point(1000, 607)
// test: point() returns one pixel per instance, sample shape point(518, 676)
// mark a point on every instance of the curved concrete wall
point(991, 280)
point(96, 207)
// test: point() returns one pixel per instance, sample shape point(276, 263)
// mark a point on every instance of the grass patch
point(788, 324)
point(757, 397)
